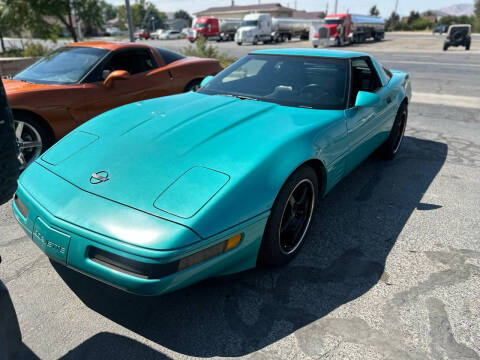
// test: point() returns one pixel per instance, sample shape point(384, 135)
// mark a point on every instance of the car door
point(364, 125)
point(146, 80)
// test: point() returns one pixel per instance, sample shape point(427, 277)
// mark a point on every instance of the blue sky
point(354, 6)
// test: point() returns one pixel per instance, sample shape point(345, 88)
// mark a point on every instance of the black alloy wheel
point(290, 218)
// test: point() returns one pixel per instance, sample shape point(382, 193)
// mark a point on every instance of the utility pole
point(396, 7)
point(336, 6)
point(130, 21)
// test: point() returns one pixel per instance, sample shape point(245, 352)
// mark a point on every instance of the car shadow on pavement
point(344, 256)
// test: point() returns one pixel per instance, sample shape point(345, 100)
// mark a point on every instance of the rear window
point(169, 56)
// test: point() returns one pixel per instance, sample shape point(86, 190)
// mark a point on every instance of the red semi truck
point(214, 29)
point(345, 29)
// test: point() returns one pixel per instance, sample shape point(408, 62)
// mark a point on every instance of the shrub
point(204, 50)
point(35, 49)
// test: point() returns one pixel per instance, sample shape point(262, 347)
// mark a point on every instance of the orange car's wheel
point(32, 138)
point(193, 85)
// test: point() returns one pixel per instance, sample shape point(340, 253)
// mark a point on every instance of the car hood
point(171, 156)
point(17, 86)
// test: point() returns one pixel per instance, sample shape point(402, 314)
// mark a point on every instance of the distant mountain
point(458, 9)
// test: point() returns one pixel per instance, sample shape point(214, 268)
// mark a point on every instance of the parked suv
point(9, 165)
point(458, 35)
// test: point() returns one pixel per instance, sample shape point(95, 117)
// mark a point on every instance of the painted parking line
point(472, 102)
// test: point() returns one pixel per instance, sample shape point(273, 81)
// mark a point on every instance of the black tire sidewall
point(387, 150)
point(191, 84)
point(270, 253)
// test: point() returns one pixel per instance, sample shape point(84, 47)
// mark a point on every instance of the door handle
point(389, 100)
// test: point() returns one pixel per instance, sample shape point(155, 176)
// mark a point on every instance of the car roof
point(312, 52)
point(107, 45)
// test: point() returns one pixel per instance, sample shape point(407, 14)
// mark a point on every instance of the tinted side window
point(386, 74)
point(364, 77)
point(134, 61)
point(169, 56)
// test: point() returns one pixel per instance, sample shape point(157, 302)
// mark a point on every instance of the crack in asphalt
point(26, 269)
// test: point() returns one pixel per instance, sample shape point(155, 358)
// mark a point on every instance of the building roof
point(312, 52)
point(302, 14)
point(242, 8)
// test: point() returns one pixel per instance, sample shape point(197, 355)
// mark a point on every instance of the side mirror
point(366, 99)
point(206, 80)
point(115, 75)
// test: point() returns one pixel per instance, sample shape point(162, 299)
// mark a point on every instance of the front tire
point(255, 41)
point(290, 218)
point(193, 85)
point(391, 147)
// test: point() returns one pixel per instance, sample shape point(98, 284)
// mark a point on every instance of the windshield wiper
point(241, 97)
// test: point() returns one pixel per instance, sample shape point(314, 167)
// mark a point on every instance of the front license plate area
point(53, 242)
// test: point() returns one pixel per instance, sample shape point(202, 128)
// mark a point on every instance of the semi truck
point(214, 29)
point(257, 28)
point(343, 29)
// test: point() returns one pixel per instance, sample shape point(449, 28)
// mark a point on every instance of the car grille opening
point(131, 267)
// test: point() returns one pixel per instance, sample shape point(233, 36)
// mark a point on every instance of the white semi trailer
point(263, 28)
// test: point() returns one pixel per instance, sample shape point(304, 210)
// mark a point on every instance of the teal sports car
point(159, 194)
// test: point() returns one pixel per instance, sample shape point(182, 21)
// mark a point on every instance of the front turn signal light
point(233, 242)
point(210, 252)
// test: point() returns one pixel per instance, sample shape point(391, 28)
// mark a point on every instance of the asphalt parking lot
point(390, 269)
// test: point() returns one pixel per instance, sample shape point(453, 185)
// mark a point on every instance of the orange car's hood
point(15, 86)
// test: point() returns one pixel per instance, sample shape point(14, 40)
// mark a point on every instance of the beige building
point(238, 12)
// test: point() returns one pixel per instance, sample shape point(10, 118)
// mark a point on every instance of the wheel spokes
point(296, 216)
point(19, 129)
point(29, 144)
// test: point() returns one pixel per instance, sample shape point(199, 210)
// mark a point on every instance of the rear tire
point(390, 148)
point(255, 41)
point(467, 46)
point(290, 218)
point(445, 47)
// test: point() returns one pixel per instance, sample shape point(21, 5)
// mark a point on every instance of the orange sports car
point(81, 80)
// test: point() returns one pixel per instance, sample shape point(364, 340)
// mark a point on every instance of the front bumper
point(126, 264)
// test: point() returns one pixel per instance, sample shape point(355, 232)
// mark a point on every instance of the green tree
point(109, 11)
point(144, 13)
point(182, 14)
point(89, 11)
point(19, 15)
point(374, 11)
point(476, 11)
point(392, 22)
point(414, 15)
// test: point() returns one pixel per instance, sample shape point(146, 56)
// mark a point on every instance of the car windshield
point(300, 81)
point(200, 25)
point(250, 23)
point(67, 65)
point(333, 21)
